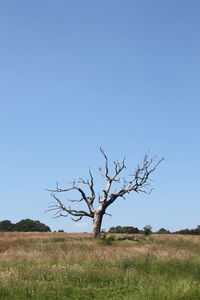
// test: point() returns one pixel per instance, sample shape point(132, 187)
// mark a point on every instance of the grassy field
point(73, 266)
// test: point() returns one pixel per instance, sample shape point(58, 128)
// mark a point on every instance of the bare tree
point(138, 182)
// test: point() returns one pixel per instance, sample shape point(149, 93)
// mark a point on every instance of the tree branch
point(140, 181)
point(59, 207)
point(105, 175)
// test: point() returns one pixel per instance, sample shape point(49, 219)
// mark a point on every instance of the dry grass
point(73, 266)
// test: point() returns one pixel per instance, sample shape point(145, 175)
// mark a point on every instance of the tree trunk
point(97, 225)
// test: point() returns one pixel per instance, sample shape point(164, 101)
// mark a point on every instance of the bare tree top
point(139, 181)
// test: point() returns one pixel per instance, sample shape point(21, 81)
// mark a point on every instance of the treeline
point(148, 230)
point(124, 229)
point(25, 225)
point(195, 231)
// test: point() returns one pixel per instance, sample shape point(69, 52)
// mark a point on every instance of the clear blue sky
point(76, 75)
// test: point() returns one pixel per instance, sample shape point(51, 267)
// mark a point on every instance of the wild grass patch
point(76, 267)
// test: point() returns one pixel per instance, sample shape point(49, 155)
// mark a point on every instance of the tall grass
point(65, 266)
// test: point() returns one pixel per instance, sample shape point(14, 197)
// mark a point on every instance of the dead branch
point(59, 206)
point(139, 181)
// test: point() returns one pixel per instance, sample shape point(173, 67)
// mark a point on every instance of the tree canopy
point(25, 225)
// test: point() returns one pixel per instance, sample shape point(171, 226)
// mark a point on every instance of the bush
point(147, 230)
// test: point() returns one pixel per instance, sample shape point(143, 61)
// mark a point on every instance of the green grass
point(63, 266)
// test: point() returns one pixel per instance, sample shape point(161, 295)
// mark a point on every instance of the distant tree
point(163, 231)
point(117, 229)
point(30, 225)
point(147, 230)
point(184, 231)
point(23, 225)
point(195, 231)
point(6, 225)
point(124, 229)
point(138, 182)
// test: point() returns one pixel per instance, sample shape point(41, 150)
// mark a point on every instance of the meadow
point(58, 266)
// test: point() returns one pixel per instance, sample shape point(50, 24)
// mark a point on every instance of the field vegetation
point(74, 266)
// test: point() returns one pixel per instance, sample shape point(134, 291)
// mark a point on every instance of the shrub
point(147, 230)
